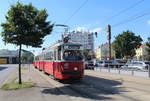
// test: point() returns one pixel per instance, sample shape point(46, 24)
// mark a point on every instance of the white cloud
point(148, 22)
point(86, 29)
point(81, 29)
point(96, 30)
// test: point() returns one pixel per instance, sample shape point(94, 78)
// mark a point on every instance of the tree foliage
point(86, 54)
point(25, 25)
point(126, 43)
point(27, 57)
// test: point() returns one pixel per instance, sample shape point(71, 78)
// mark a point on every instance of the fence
point(133, 72)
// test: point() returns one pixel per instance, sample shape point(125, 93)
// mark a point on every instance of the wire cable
point(131, 19)
point(76, 11)
point(124, 10)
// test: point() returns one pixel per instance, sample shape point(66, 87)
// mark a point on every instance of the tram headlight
point(75, 68)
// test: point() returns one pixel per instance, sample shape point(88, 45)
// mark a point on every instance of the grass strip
point(15, 85)
point(24, 68)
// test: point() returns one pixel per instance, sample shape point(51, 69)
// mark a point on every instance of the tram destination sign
point(72, 47)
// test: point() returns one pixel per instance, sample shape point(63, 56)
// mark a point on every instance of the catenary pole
point(108, 29)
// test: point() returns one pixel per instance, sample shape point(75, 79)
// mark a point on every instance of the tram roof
point(62, 43)
point(59, 43)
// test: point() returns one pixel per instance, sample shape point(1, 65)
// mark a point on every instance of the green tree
point(148, 49)
point(126, 43)
point(25, 25)
point(86, 54)
point(27, 57)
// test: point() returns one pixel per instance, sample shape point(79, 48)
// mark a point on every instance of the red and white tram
point(62, 61)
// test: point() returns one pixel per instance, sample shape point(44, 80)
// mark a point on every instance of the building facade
point(141, 52)
point(84, 38)
point(102, 52)
point(12, 56)
point(8, 57)
point(98, 53)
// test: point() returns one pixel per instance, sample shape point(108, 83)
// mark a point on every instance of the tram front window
point(72, 55)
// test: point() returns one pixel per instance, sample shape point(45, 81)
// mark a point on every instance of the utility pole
point(108, 29)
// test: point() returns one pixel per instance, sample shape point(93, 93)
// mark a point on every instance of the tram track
point(105, 91)
point(89, 90)
point(121, 79)
point(139, 86)
point(132, 86)
point(99, 90)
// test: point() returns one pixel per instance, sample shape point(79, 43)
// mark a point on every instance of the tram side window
point(36, 58)
point(46, 56)
point(49, 56)
point(41, 57)
point(59, 54)
point(55, 55)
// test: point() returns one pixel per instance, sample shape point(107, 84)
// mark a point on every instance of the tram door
point(57, 63)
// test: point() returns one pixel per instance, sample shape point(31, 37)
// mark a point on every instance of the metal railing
point(125, 71)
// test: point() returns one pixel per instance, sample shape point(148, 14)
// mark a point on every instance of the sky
point(88, 15)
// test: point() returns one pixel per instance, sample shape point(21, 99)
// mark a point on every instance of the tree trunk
point(20, 82)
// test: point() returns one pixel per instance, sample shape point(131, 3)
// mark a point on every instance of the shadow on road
point(89, 87)
point(2, 68)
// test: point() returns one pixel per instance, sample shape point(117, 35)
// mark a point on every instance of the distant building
point(98, 53)
point(102, 52)
point(141, 52)
point(84, 38)
point(8, 57)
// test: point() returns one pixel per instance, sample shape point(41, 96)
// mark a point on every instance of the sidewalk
point(124, 78)
point(43, 91)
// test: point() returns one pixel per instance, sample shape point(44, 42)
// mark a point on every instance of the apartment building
point(141, 52)
point(82, 37)
point(102, 52)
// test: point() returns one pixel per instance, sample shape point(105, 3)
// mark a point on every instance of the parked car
point(89, 65)
point(148, 64)
point(118, 63)
point(103, 63)
point(137, 65)
point(128, 65)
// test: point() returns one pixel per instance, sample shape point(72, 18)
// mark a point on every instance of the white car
point(103, 63)
point(137, 65)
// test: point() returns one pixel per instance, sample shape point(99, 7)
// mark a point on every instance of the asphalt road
point(95, 86)
point(99, 86)
point(5, 71)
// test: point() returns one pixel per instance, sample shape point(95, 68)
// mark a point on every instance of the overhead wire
point(124, 10)
point(76, 11)
point(131, 19)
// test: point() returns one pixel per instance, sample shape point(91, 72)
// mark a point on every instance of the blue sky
point(94, 16)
